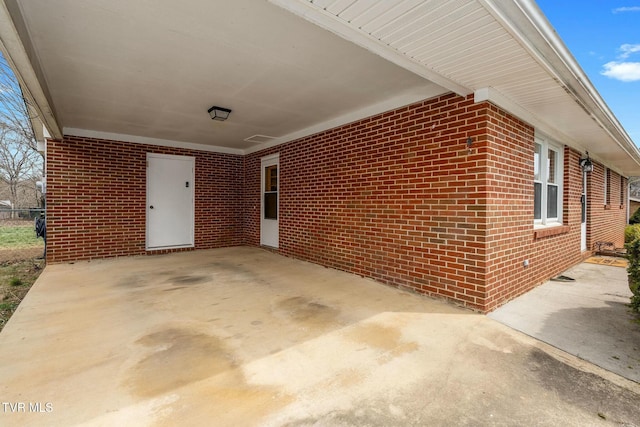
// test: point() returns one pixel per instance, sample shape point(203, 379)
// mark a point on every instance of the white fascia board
point(16, 55)
point(371, 110)
point(150, 141)
point(330, 22)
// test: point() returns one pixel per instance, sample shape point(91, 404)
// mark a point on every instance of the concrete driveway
point(244, 337)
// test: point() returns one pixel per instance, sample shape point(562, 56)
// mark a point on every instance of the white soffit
point(503, 51)
point(353, 16)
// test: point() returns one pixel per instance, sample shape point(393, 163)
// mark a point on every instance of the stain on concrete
point(226, 401)
point(350, 379)
point(175, 288)
point(235, 272)
point(585, 390)
point(371, 414)
point(484, 342)
point(304, 310)
point(131, 282)
point(188, 280)
point(179, 356)
point(384, 338)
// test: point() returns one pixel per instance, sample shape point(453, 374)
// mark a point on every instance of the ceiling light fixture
point(219, 113)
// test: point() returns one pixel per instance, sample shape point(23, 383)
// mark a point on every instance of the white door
point(170, 201)
point(270, 201)
point(583, 224)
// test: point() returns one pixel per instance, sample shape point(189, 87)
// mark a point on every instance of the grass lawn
point(19, 236)
point(19, 265)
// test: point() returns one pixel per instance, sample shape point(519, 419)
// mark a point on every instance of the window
point(623, 200)
point(607, 186)
point(547, 183)
point(271, 192)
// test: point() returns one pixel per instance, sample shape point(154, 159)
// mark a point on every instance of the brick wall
point(609, 218)
point(394, 197)
point(398, 197)
point(512, 240)
point(97, 192)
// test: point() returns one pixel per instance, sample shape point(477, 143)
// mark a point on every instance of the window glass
point(271, 192)
point(271, 178)
point(271, 205)
point(536, 162)
point(606, 186)
point(551, 166)
point(547, 164)
point(552, 201)
point(537, 201)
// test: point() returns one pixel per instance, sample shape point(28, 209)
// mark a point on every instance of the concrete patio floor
point(241, 336)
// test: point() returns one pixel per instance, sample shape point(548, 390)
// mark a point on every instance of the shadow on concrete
point(607, 336)
point(585, 390)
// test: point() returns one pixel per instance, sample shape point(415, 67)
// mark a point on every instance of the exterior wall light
point(219, 113)
point(586, 164)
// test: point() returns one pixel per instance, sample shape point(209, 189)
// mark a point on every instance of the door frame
point(273, 228)
point(192, 161)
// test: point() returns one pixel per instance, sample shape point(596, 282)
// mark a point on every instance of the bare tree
point(20, 162)
point(14, 113)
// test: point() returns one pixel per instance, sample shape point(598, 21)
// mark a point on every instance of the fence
point(17, 214)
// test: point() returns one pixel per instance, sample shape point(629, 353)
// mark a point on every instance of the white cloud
point(626, 9)
point(628, 49)
point(624, 71)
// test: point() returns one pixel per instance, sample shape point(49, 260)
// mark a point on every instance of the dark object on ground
point(41, 231)
point(563, 279)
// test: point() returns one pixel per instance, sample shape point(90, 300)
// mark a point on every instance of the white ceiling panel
point(363, 10)
point(322, 3)
point(379, 25)
point(152, 69)
point(339, 6)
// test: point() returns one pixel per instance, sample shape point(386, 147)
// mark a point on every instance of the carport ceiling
point(153, 68)
point(148, 70)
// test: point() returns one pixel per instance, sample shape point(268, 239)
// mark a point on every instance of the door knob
point(151, 207)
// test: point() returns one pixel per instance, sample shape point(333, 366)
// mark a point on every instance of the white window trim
point(606, 185)
point(547, 144)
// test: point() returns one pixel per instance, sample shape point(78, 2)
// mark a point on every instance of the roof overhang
point(14, 49)
point(609, 141)
point(129, 72)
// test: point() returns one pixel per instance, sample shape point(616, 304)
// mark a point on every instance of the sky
point(604, 38)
